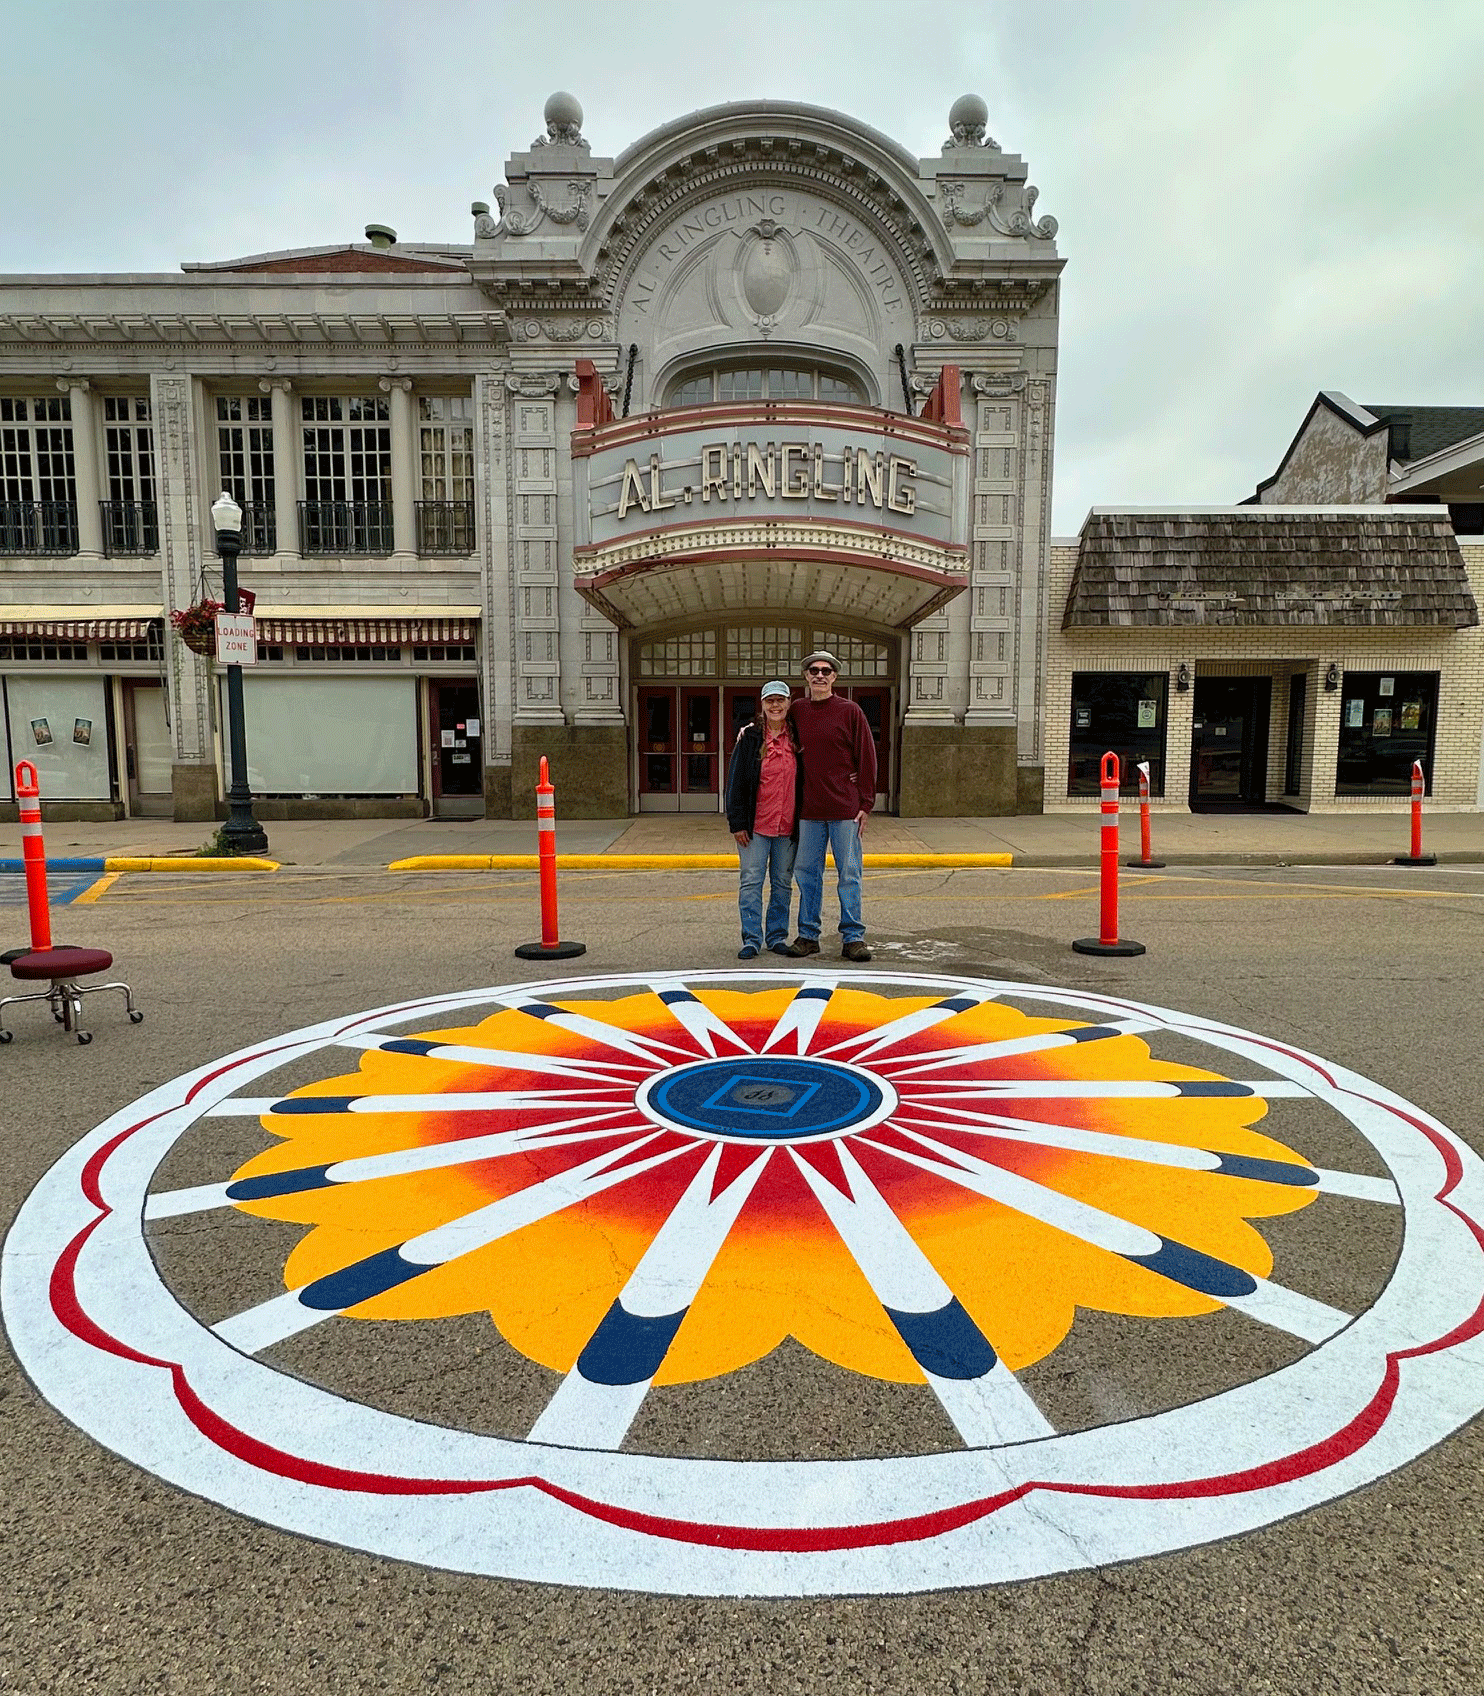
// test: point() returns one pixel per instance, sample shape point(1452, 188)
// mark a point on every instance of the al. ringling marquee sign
point(882, 483)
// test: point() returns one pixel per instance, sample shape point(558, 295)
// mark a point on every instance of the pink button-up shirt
point(775, 789)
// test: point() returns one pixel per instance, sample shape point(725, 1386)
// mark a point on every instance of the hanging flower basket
point(196, 626)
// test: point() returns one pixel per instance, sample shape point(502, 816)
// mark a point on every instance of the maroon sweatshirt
point(839, 758)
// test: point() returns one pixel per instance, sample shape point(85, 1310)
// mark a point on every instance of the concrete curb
point(63, 865)
point(665, 862)
point(184, 863)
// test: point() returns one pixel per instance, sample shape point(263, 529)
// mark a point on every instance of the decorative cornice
point(534, 385)
point(270, 329)
point(849, 544)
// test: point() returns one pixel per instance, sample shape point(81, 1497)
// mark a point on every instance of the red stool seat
point(60, 963)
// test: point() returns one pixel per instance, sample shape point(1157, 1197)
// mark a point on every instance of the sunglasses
point(821, 671)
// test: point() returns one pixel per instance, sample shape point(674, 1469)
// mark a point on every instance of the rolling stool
point(60, 967)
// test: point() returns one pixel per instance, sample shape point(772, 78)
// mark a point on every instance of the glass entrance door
point(700, 790)
point(458, 765)
point(1229, 743)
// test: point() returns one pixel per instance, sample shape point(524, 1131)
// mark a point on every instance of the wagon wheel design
point(651, 1182)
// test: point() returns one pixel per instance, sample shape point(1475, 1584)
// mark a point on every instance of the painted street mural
point(986, 1200)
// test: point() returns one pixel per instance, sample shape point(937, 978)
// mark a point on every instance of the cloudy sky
point(1257, 198)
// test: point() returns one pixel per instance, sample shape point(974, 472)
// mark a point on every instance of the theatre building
point(576, 486)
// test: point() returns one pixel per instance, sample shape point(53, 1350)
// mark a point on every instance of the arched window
point(731, 384)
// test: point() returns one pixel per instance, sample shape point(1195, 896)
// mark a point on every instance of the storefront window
point(1122, 712)
point(1386, 722)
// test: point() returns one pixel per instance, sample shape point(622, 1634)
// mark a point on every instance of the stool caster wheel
point(7, 1036)
point(84, 1037)
point(136, 1017)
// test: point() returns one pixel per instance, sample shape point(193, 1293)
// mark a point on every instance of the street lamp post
point(241, 833)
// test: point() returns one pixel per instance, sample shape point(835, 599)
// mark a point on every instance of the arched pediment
point(749, 150)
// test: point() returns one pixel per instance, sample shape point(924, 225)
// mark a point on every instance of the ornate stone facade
point(819, 284)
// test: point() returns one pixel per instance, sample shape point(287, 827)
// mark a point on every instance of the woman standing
point(764, 786)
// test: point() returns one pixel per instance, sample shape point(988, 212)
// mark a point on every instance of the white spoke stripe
point(907, 1025)
point(611, 1036)
point(1286, 1310)
point(701, 1022)
point(537, 1201)
point(265, 1186)
point(485, 1101)
point(1113, 1089)
point(990, 1408)
point(800, 1019)
point(283, 1316)
point(596, 1402)
point(909, 1065)
point(503, 1059)
point(1075, 1139)
point(258, 1328)
point(1358, 1186)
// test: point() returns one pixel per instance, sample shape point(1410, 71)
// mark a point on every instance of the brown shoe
point(856, 951)
point(802, 946)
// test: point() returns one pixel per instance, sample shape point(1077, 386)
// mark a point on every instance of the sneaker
point(779, 948)
point(803, 946)
point(747, 952)
point(856, 951)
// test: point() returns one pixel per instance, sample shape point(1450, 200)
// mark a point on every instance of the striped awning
point(81, 629)
point(365, 632)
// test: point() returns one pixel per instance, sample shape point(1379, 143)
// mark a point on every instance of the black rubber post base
point(1146, 865)
point(1093, 945)
point(1418, 860)
point(558, 951)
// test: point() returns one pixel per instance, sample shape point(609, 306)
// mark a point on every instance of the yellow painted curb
point(671, 862)
point(189, 863)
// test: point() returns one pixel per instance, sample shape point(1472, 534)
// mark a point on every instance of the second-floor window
point(244, 447)
point(445, 436)
point(129, 525)
point(347, 448)
point(129, 441)
point(739, 384)
point(38, 485)
point(36, 450)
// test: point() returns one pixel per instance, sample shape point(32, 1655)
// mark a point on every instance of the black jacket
point(745, 773)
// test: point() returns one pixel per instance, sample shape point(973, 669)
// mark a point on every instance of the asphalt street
point(116, 1581)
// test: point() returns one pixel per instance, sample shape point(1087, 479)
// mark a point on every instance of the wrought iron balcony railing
point(129, 527)
point(345, 527)
point(445, 527)
point(38, 527)
point(259, 529)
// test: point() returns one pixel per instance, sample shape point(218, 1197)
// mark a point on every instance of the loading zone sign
point(236, 638)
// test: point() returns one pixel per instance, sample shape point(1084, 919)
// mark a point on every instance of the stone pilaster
point(534, 549)
point(85, 470)
point(182, 523)
point(404, 469)
point(287, 460)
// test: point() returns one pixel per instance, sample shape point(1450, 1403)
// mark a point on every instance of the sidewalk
point(1051, 839)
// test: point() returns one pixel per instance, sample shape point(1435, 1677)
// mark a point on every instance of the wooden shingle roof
point(1268, 566)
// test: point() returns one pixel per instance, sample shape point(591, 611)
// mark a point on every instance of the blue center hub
point(768, 1098)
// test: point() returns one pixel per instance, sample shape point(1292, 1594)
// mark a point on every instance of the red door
point(657, 751)
point(700, 789)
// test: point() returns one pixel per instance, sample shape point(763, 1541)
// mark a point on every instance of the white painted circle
point(108, 1344)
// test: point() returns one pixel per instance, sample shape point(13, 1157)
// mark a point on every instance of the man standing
point(839, 791)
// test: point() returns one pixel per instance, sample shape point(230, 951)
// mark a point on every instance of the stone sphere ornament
point(968, 119)
point(563, 115)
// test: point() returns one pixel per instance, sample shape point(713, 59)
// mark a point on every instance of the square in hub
point(768, 1097)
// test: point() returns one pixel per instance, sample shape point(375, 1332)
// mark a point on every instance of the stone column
point(182, 523)
point(286, 461)
point(491, 472)
point(404, 466)
point(85, 466)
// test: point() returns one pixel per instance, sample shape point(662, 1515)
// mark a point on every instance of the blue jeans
point(843, 839)
point(775, 856)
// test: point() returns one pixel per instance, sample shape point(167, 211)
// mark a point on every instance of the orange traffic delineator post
point(1107, 940)
point(33, 852)
point(1416, 857)
point(550, 947)
point(1144, 861)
